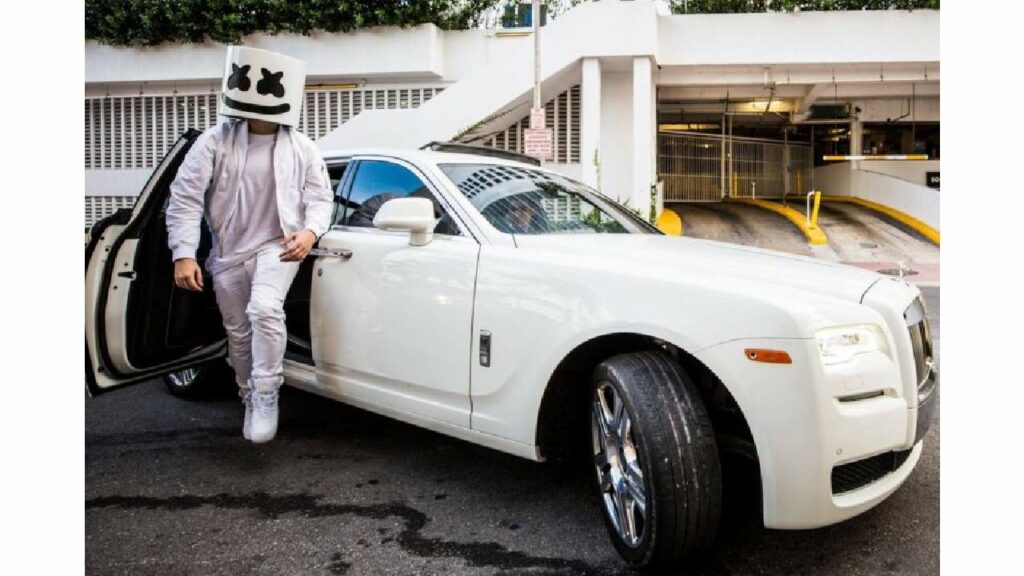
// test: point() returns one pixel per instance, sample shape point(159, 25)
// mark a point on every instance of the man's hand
point(297, 245)
point(187, 275)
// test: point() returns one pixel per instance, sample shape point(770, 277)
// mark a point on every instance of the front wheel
point(201, 381)
point(656, 461)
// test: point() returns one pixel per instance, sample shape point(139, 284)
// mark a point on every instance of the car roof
point(429, 157)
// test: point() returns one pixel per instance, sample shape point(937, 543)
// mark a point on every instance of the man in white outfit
point(264, 191)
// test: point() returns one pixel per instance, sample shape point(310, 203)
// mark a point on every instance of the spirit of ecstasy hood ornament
point(903, 268)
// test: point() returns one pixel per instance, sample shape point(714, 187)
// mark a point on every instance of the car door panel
point(391, 325)
point(138, 324)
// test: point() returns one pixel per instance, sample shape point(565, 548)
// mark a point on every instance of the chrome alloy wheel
point(183, 378)
point(619, 473)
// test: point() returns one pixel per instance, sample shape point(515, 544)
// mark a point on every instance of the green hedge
point(738, 6)
point(151, 22)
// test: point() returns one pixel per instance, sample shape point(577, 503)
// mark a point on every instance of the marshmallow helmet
point(263, 85)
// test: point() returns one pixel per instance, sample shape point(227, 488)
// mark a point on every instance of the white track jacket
point(208, 180)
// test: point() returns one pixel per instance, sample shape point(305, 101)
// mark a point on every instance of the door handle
point(342, 253)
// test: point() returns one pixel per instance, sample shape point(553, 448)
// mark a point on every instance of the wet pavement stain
point(156, 437)
point(410, 538)
point(337, 565)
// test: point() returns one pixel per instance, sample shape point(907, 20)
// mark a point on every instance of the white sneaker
point(263, 425)
point(247, 423)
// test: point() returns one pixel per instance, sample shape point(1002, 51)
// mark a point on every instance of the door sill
point(299, 357)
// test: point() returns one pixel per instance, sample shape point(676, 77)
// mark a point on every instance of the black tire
point(673, 443)
point(210, 380)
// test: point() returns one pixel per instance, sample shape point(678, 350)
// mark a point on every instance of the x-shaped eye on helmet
point(270, 83)
point(239, 77)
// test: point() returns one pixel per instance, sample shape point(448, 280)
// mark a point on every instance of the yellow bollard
point(670, 223)
point(735, 184)
point(814, 211)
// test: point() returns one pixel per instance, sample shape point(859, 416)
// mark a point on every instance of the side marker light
point(767, 355)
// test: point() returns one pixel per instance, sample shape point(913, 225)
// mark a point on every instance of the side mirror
point(416, 215)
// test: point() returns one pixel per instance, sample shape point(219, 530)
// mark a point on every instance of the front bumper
point(808, 421)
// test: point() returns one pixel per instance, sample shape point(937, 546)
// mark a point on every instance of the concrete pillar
point(856, 138)
point(856, 141)
point(590, 122)
point(643, 135)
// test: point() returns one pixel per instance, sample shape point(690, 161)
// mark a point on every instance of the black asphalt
point(172, 488)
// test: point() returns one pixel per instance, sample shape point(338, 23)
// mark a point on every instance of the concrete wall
point(375, 54)
point(833, 179)
point(917, 200)
point(466, 51)
point(913, 172)
point(803, 37)
point(882, 109)
point(607, 29)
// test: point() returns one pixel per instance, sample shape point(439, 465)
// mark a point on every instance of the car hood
point(641, 253)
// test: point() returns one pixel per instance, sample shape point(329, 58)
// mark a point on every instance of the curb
point(815, 235)
point(906, 219)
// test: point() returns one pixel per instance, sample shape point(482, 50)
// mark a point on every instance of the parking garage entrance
point(705, 167)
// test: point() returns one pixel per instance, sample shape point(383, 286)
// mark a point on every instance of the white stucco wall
point(616, 161)
point(801, 37)
point(376, 53)
point(607, 29)
point(466, 51)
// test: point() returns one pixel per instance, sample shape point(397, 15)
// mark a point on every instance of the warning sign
point(538, 142)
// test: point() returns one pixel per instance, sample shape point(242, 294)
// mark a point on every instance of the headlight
point(838, 345)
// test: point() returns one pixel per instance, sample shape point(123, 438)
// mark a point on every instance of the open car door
point(138, 324)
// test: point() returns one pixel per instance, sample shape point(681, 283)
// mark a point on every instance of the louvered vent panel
point(98, 207)
point(562, 115)
point(135, 132)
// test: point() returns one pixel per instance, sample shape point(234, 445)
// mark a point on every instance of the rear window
point(518, 200)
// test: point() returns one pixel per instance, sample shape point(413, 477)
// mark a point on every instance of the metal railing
point(709, 167)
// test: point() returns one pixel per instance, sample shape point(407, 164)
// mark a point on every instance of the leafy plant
point(152, 22)
point(472, 132)
point(652, 215)
point(747, 6)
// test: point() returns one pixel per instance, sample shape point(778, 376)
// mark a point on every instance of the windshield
point(518, 200)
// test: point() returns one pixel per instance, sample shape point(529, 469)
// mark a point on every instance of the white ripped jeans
point(251, 301)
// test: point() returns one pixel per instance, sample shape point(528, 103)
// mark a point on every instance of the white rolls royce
point(479, 295)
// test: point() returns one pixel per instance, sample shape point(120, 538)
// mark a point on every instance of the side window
point(337, 175)
point(376, 182)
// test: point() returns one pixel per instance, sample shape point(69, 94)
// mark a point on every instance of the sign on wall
point(931, 179)
point(538, 140)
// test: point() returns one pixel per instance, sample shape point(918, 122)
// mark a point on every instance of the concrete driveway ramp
point(740, 224)
point(858, 234)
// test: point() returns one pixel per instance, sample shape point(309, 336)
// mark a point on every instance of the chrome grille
point(921, 344)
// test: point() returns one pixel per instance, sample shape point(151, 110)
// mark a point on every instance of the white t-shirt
point(256, 220)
